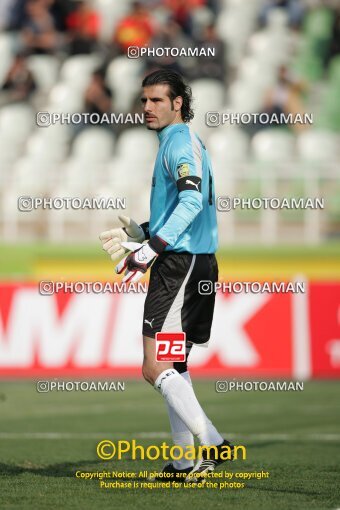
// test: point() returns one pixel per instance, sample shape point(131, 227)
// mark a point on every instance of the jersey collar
point(166, 131)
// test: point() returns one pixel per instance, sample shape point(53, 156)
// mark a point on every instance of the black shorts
point(173, 302)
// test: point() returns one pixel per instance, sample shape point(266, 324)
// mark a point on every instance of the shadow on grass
point(62, 470)
point(68, 470)
point(282, 491)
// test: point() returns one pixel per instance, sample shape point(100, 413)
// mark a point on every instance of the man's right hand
point(129, 232)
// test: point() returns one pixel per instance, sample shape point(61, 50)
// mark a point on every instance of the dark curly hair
point(177, 87)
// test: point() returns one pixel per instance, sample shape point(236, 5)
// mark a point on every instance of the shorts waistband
point(185, 253)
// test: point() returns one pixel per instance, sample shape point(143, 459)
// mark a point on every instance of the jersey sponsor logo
point(167, 374)
point(170, 346)
point(183, 170)
point(194, 183)
point(149, 322)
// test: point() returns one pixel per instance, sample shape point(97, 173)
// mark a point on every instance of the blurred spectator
point(284, 98)
point(181, 12)
point(215, 6)
point(17, 15)
point(295, 10)
point(39, 31)
point(170, 35)
point(335, 41)
point(59, 9)
point(83, 25)
point(135, 29)
point(5, 10)
point(98, 97)
point(212, 66)
point(19, 83)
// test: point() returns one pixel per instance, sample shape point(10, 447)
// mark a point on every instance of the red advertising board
point(283, 335)
point(324, 302)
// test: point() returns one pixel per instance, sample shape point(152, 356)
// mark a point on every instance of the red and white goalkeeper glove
point(142, 256)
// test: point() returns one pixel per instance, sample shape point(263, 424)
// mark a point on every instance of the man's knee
point(152, 371)
point(148, 373)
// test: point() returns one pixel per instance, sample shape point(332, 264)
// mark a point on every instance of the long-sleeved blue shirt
point(182, 203)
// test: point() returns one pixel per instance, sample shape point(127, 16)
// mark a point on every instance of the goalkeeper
point(181, 243)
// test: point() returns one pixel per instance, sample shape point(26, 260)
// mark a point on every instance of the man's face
point(159, 110)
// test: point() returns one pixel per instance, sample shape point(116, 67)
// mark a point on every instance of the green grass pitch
point(46, 437)
point(18, 261)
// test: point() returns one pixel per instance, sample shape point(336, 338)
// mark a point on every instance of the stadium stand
point(274, 59)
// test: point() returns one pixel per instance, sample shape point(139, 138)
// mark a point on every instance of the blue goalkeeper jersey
point(182, 203)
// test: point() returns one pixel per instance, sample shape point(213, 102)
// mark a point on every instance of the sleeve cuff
point(145, 227)
point(157, 244)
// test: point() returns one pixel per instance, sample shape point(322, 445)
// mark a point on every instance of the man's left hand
point(137, 262)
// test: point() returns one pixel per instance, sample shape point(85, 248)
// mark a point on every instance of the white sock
point(187, 377)
point(181, 435)
point(180, 395)
point(210, 426)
